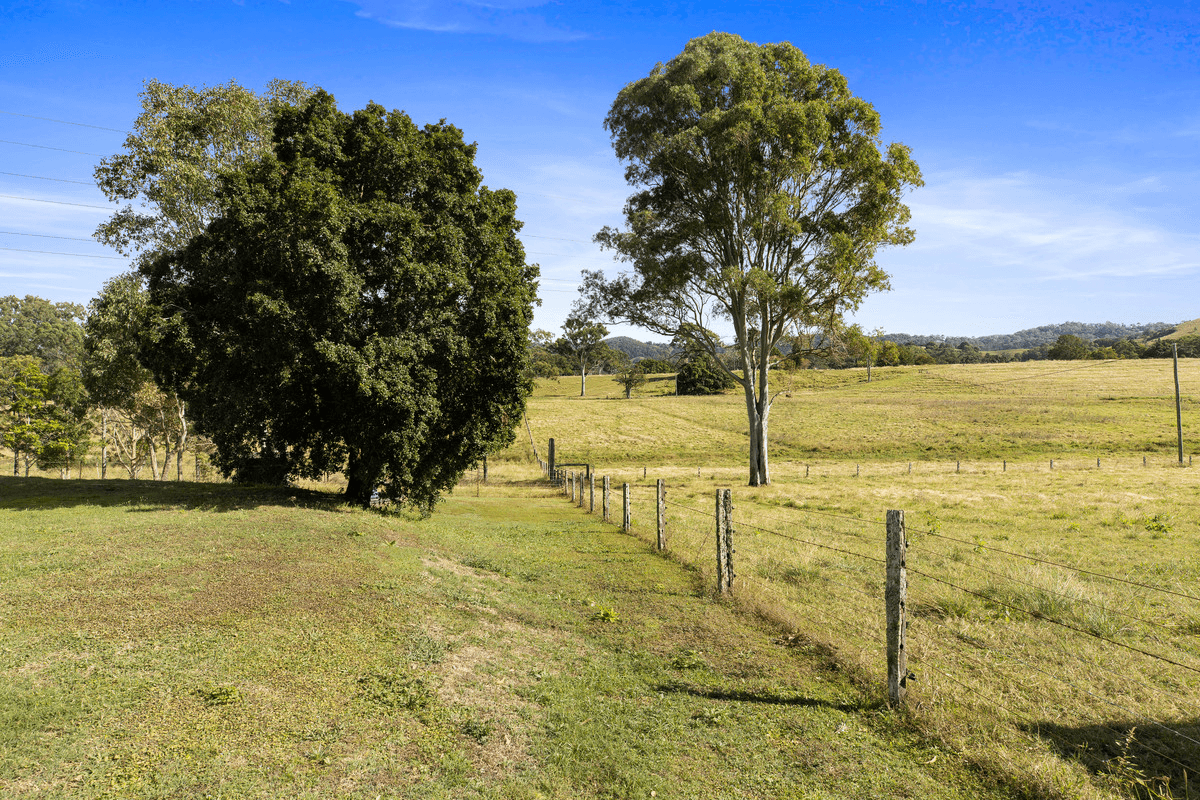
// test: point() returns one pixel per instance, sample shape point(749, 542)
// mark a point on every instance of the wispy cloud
point(1049, 229)
point(514, 19)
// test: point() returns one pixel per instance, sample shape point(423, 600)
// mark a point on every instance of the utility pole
point(1178, 409)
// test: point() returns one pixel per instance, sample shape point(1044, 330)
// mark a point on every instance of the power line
point(65, 122)
point(52, 253)
point(46, 236)
point(43, 178)
point(47, 147)
point(55, 202)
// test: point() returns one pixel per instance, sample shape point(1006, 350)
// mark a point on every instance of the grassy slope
point(210, 641)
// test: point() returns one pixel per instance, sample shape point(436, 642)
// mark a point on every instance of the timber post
point(662, 516)
point(895, 598)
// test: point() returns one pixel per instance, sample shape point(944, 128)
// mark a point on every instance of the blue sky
point(1060, 141)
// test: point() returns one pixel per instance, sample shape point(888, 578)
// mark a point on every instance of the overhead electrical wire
point(65, 122)
point(55, 202)
point(52, 253)
point(48, 147)
point(44, 178)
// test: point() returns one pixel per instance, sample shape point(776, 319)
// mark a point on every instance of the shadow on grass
point(40, 494)
point(769, 698)
point(1148, 759)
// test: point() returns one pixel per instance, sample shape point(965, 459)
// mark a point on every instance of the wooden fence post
point(571, 481)
point(662, 515)
point(485, 469)
point(727, 512)
point(604, 500)
point(895, 597)
point(720, 520)
point(580, 498)
point(626, 522)
point(550, 456)
point(592, 493)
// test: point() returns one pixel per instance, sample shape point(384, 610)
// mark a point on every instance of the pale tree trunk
point(181, 407)
point(582, 381)
point(103, 443)
point(166, 432)
point(153, 456)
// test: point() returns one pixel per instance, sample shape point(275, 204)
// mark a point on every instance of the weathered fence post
point(1005, 467)
point(604, 502)
point(662, 515)
point(895, 597)
point(571, 481)
point(592, 493)
point(720, 520)
point(724, 518)
point(727, 511)
point(626, 522)
point(643, 473)
point(580, 498)
point(550, 456)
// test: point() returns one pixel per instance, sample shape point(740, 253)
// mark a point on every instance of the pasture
point(1054, 622)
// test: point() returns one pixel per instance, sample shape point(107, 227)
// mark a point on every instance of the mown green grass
point(199, 640)
point(1029, 667)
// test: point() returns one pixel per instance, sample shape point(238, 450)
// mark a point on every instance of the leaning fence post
point(727, 511)
point(579, 499)
point(626, 523)
point(571, 481)
point(662, 515)
point(591, 492)
point(895, 597)
point(604, 503)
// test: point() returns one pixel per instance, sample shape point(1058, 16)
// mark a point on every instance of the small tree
point(631, 376)
point(583, 343)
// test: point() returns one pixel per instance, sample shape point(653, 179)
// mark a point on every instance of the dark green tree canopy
point(763, 193)
point(362, 299)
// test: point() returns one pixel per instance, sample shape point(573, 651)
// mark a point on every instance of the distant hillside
point(636, 350)
point(1189, 328)
point(1045, 334)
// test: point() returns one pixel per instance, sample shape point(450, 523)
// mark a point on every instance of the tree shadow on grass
point(41, 494)
point(1148, 759)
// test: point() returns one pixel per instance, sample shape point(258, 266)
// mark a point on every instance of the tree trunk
point(758, 408)
point(582, 381)
point(153, 456)
point(359, 484)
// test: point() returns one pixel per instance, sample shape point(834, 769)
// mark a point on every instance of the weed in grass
point(219, 695)
point(603, 614)
point(688, 659)
point(395, 690)
point(425, 650)
point(1159, 523)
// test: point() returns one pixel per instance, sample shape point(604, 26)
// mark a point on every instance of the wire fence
point(1095, 668)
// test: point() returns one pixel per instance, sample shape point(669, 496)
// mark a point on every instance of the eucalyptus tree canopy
point(182, 142)
point(764, 193)
point(361, 300)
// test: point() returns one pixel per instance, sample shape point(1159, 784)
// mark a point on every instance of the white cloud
point(1048, 229)
point(513, 19)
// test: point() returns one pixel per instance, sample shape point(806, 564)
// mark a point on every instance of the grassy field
point(205, 640)
point(1028, 657)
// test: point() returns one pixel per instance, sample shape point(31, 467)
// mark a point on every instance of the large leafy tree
point(764, 193)
point(361, 300)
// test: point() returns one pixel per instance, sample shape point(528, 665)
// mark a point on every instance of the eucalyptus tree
point(764, 193)
point(173, 158)
point(582, 343)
